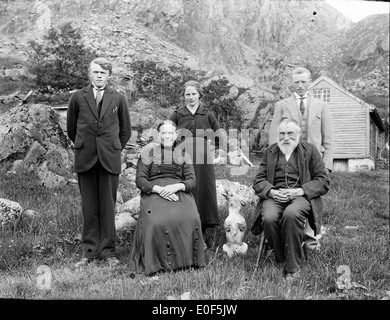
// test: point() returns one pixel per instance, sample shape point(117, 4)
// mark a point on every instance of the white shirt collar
point(96, 88)
point(297, 96)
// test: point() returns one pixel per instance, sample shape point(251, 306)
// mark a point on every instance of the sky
point(359, 9)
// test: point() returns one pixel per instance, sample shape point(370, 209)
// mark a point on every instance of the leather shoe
point(309, 248)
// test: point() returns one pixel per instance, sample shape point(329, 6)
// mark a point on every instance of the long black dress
point(205, 192)
point(168, 233)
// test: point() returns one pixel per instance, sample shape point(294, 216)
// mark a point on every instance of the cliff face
point(368, 40)
point(365, 57)
point(233, 32)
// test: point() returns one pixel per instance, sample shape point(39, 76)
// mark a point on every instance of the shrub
point(61, 60)
point(164, 86)
point(216, 97)
point(159, 84)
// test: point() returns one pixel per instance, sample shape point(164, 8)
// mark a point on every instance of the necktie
point(98, 100)
point(302, 105)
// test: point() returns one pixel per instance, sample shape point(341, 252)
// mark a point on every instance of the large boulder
point(227, 189)
point(127, 213)
point(20, 127)
point(32, 136)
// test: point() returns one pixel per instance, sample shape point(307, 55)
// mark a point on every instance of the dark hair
point(166, 122)
point(104, 63)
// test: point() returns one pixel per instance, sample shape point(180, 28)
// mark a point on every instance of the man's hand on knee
point(278, 196)
point(293, 193)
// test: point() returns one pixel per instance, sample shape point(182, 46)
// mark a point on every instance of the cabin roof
point(374, 115)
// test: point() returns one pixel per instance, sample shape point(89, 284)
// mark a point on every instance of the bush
point(228, 113)
point(158, 84)
point(164, 86)
point(61, 60)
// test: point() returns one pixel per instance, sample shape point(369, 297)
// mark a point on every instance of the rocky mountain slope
point(220, 36)
point(366, 55)
point(105, 27)
point(253, 43)
point(233, 33)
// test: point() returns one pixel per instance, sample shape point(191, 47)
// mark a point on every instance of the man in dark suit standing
point(98, 123)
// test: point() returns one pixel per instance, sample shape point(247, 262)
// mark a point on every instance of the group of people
point(176, 176)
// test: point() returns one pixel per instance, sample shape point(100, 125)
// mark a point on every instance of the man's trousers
point(98, 189)
point(284, 230)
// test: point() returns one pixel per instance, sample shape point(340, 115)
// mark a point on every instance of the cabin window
point(322, 94)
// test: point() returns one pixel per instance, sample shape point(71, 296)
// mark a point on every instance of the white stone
point(132, 206)
point(10, 211)
point(124, 220)
point(30, 213)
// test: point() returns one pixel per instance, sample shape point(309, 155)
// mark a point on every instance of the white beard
point(287, 149)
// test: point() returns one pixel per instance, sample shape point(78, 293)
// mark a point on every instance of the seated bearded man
point(290, 182)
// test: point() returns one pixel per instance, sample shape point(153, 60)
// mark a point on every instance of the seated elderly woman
point(168, 235)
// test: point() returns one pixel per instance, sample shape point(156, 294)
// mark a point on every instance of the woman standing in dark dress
point(196, 124)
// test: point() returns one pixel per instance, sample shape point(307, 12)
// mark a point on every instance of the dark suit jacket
point(96, 138)
point(314, 180)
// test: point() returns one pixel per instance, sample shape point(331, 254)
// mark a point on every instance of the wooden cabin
point(359, 131)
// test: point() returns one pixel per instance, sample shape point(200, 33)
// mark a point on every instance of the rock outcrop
point(369, 42)
point(227, 189)
point(31, 136)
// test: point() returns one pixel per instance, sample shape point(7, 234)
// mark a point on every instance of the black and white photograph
point(222, 152)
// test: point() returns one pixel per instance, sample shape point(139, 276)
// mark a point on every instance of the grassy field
point(356, 221)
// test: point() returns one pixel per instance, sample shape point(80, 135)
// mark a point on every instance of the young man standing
point(98, 123)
